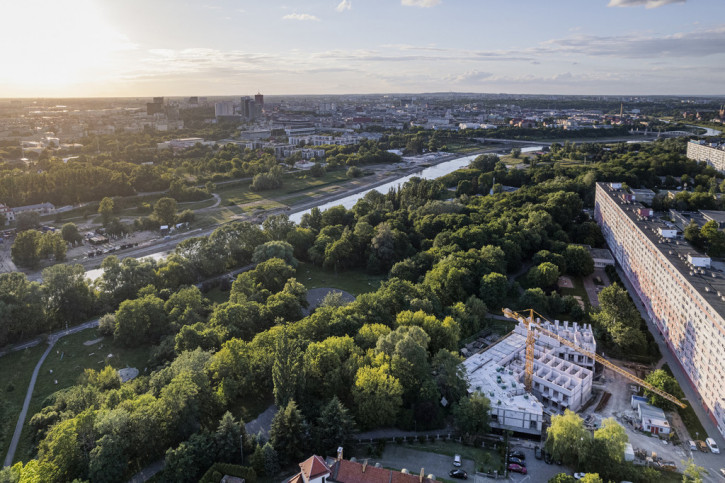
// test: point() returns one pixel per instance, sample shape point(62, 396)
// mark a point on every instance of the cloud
point(698, 43)
point(301, 17)
point(420, 3)
point(344, 5)
point(645, 3)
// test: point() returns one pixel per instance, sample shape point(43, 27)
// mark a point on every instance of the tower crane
point(532, 326)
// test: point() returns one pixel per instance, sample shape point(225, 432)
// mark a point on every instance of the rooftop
point(709, 283)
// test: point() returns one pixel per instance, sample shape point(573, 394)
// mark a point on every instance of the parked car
point(538, 453)
point(459, 474)
point(693, 446)
point(457, 460)
point(517, 468)
point(701, 445)
point(548, 459)
point(517, 461)
point(579, 476)
point(517, 453)
point(712, 445)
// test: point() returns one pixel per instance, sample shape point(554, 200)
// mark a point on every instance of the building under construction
point(561, 376)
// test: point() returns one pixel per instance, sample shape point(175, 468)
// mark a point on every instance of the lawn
point(354, 281)
point(577, 290)
point(16, 369)
point(68, 359)
point(485, 460)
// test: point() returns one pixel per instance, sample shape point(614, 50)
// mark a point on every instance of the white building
point(224, 109)
point(712, 154)
point(562, 377)
point(681, 294)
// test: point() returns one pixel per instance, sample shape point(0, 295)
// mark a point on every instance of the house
point(652, 419)
point(601, 257)
point(316, 470)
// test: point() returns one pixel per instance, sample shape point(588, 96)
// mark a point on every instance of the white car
point(579, 476)
point(712, 445)
point(457, 460)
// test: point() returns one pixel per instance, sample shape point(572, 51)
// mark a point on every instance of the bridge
point(660, 134)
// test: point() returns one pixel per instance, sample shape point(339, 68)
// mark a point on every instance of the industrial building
point(562, 377)
point(682, 295)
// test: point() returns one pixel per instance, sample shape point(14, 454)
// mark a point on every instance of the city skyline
point(98, 48)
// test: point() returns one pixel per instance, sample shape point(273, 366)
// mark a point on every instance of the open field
point(354, 281)
point(68, 359)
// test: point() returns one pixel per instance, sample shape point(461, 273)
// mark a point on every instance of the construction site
point(542, 368)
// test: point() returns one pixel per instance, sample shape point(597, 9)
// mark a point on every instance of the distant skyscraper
point(259, 100)
point(248, 110)
point(158, 100)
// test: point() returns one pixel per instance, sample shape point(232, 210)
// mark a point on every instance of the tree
point(317, 170)
point(288, 433)
point(108, 461)
point(228, 438)
point(21, 308)
point(562, 478)
point(693, 473)
point(591, 478)
point(377, 396)
point(715, 238)
point(694, 235)
point(516, 153)
point(578, 260)
point(140, 321)
point(494, 287)
point(66, 294)
point(51, 243)
point(450, 376)
point(334, 426)
point(165, 211)
point(286, 370)
point(471, 414)
point(275, 249)
point(664, 382)
point(25, 249)
point(105, 209)
point(620, 318)
point(567, 438)
point(277, 227)
point(271, 460)
point(544, 275)
point(70, 234)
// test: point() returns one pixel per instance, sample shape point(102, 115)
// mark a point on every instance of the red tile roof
point(345, 471)
point(313, 467)
point(296, 479)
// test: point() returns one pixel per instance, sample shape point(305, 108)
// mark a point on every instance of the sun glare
point(49, 43)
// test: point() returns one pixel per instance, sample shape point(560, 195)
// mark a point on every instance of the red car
point(517, 468)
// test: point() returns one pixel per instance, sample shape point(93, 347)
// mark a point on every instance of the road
point(711, 462)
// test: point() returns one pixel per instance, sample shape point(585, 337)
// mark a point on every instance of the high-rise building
point(259, 99)
point(247, 108)
point(224, 109)
point(682, 295)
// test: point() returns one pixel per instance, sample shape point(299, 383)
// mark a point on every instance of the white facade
point(682, 296)
point(223, 109)
point(714, 155)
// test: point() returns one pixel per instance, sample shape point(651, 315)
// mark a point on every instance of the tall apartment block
point(712, 154)
point(681, 293)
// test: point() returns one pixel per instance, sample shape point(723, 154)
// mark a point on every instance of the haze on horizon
point(90, 48)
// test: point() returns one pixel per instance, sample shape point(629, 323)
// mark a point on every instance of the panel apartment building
point(712, 154)
point(681, 293)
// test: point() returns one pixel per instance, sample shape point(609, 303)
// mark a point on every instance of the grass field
point(354, 281)
point(68, 359)
point(15, 371)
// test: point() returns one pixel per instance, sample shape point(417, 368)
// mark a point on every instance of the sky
point(139, 48)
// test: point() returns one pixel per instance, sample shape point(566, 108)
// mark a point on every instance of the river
point(432, 172)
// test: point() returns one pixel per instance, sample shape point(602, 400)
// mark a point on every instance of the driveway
point(538, 470)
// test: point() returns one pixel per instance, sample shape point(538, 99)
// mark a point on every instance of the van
point(712, 445)
point(693, 446)
point(457, 460)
